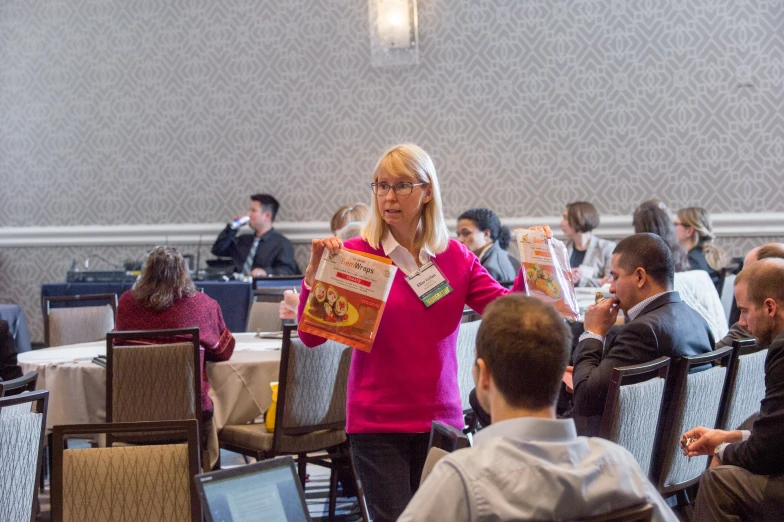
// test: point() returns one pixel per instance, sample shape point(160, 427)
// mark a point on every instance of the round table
point(240, 387)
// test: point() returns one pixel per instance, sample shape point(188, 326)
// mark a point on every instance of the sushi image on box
point(348, 298)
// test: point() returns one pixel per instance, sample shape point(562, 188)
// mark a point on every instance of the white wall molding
point(725, 225)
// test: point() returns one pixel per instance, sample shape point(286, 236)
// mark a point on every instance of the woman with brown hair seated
point(165, 297)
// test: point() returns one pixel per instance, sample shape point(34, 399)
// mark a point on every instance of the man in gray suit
point(657, 323)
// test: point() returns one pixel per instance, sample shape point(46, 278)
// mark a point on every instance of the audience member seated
point(263, 253)
point(480, 230)
point(766, 251)
point(346, 223)
point(589, 255)
point(657, 323)
point(694, 288)
point(695, 235)
point(165, 297)
point(654, 217)
point(746, 478)
point(528, 465)
point(353, 216)
point(9, 369)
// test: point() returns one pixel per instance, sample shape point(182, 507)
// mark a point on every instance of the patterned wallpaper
point(146, 112)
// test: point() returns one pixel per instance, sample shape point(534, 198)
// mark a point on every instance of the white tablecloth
point(77, 386)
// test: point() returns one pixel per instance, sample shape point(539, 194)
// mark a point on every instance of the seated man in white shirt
point(527, 464)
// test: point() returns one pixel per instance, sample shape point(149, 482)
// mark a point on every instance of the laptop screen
point(268, 490)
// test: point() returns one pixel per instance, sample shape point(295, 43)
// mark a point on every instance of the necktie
point(248, 266)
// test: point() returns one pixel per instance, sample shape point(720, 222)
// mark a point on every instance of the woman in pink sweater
point(409, 379)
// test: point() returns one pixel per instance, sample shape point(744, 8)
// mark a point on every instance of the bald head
point(764, 279)
point(759, 292)
point(766, 251)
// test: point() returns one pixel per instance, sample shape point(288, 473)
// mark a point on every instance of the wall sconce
point(394, 35)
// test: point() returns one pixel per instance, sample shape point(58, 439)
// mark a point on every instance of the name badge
point(429, 284)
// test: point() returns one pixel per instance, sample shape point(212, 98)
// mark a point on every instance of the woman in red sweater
point(409, 379)
point(164, 297)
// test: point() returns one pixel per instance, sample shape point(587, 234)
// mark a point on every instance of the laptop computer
point(269, 490)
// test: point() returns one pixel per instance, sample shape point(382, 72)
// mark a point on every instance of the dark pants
point(733, 494)
point(389, 466)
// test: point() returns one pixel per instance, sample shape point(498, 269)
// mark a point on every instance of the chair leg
point(333, 489)
point(302, 462)
point(363, 509)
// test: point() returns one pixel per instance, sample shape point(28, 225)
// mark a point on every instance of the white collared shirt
point(533, 469)
point(635, 310)
point(402, 257)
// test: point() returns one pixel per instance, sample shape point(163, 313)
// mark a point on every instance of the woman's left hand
point(332, 244)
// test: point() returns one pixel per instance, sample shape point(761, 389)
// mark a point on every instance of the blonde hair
point(698, 219)
point(348, 214)
point(410, 161)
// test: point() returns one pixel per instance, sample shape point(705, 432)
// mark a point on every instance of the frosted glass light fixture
point(394, 37)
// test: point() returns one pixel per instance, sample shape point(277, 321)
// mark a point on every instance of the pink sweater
point(409, 379)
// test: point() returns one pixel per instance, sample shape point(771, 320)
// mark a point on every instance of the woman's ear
point(428, 195)
point(487, 234)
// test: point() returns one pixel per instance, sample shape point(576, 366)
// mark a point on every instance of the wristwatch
point(718, 452)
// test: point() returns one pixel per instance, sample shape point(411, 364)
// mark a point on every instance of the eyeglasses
point(404, 188)
point(679, 224)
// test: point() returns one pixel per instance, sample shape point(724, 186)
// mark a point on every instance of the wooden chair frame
point(667, 442)
point(190, 428)
point(636, 373)
point(41, 400)
point(740, 347)
point(24, 383)
point(48, 299)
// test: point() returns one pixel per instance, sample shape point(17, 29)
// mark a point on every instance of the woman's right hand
point(332, 244)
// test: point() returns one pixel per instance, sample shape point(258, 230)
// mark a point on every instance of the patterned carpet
point(316, 492)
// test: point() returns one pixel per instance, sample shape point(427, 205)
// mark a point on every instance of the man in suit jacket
point(746, 477)
point(264, 253)
point(657, 323)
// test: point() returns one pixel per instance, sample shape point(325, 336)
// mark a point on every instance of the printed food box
point(546, 267)
point(348, 298)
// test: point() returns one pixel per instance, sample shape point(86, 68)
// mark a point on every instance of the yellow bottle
point(269, 421)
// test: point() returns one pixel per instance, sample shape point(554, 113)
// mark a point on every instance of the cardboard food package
point(548, 275)
point(348, 298)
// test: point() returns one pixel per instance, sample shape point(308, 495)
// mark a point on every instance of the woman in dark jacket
point(480, 230)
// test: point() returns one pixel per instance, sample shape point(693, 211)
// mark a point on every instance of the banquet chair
point(695, 401)
point(638, 513)
point(265, 317)
point(633, 407)
point(152, 483)
point(153, 382)
point(310, 413)
point(466, 355)
point(444, 439)
point(747, 384)
point(22, 429)
point(79, 324)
